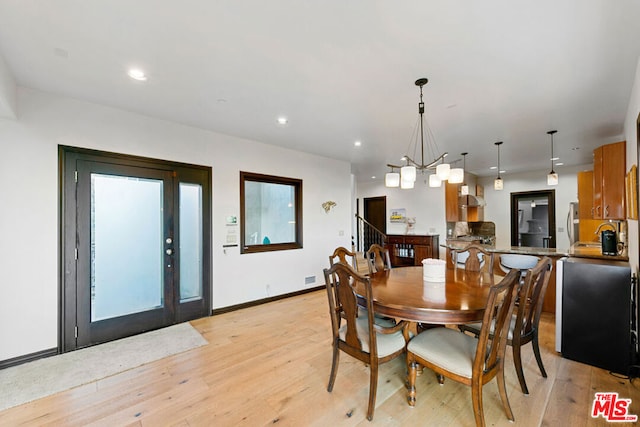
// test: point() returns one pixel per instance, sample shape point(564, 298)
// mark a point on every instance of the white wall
point(29, 215)
point(424, 203)
point(8, 91)
point(498, 207)
point(631, 136)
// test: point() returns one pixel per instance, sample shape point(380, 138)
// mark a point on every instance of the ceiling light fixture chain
point(407, 176)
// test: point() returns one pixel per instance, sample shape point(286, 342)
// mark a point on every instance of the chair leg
point(373, 387)
point(517, 361)
point(536, 352)
point(411, 380)
point(334, 368)
point(440, 379)
point(476, 398)
point(502, 388)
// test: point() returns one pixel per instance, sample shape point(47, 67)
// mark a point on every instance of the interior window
point(270, 213)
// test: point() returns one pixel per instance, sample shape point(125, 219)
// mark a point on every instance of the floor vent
point(309, 280)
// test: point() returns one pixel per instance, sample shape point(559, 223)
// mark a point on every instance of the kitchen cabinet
point(451, 193)
point(588, 224)
point(609, 166)
point(585, 195)
point(405, 250)
point(463, 208)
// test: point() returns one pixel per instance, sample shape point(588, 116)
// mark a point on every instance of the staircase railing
point(367, 234)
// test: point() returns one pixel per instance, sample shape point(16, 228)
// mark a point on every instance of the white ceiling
point(343, 71)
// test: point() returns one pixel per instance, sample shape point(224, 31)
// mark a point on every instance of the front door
point(136, 245)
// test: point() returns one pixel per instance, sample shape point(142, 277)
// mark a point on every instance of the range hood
point(470, 201)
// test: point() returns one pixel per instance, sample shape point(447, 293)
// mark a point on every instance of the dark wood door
point(375, 210)
point(136, 245)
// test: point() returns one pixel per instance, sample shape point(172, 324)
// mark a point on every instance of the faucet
point(604, 224)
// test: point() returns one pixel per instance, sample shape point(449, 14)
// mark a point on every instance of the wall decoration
point(328, 205)
point(398, 215)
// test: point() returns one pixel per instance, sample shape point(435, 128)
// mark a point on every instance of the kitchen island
point(578, 250)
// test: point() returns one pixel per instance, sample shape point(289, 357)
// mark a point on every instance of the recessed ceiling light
point(560, 164)
point(493, 168)
point(555, 158)
point(282, 120)
point(373, 177)
point(137, 74)
point(357, 143)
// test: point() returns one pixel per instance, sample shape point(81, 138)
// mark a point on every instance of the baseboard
point(263, 301)
point(27, 358)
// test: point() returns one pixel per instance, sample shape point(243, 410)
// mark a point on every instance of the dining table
point(403, 293)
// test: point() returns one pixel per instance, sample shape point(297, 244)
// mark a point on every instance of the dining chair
point(378, 258)
point(359, 336)
point(345, 256)
point(520, 261)
point(472, 257)
point(523, 327)
point(465, 359)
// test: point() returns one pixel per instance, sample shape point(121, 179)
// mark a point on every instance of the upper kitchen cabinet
point(585, 195)
point(467, 208)
point(609, 165)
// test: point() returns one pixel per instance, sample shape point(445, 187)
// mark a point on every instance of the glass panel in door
point(190, 242)
point(127, 275)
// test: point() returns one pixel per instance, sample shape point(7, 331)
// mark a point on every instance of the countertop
point(578, 250)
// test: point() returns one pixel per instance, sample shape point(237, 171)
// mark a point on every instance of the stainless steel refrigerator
point(573, 223)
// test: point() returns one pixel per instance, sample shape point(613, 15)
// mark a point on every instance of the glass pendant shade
point(497, 184)
point(456, 176)
point(434, 181)
point(464, 190)
point(392, 179)
point(406, 184)
point(408, 173)
point(442, 170)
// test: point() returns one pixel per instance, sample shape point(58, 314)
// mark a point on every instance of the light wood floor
point(269, 365)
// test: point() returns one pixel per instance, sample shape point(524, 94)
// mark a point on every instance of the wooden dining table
point(402, 293)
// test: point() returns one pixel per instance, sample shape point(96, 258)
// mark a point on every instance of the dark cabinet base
point(406, 250)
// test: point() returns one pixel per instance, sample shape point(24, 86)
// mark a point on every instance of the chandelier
point(408, 173)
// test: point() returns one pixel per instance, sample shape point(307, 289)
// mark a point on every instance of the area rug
point(44, 377)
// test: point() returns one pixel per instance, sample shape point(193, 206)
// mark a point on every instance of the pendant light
point(392, 179)
point(497, 183)
point(456, 175)
point(434, 180)
point(464, 188)
point(552, 177)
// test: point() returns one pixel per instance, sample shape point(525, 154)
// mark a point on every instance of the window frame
point(271, 179)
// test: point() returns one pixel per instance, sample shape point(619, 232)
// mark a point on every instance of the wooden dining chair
point(378, 258)
point(523, 327)
point(472, 257)
point(465, 359)
point(360, 337)
point(345, 256)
